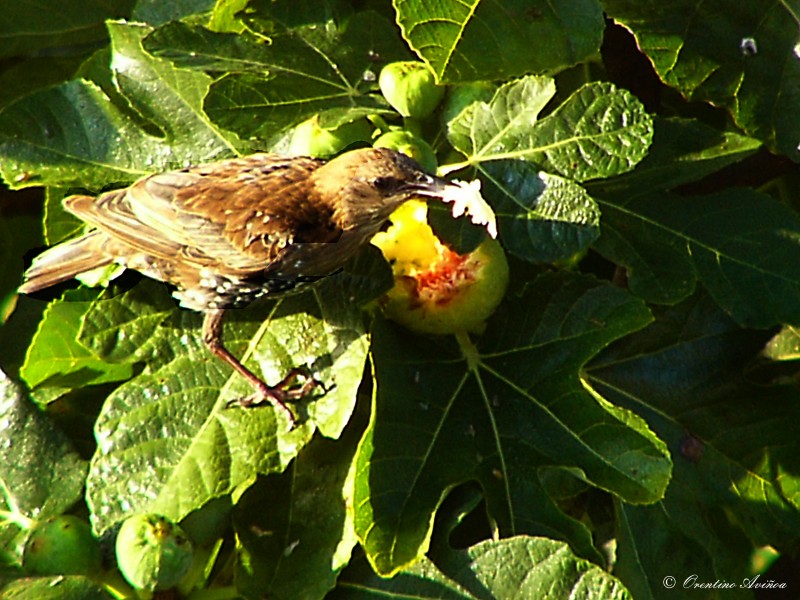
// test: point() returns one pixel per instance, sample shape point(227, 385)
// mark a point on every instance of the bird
point(227, 232)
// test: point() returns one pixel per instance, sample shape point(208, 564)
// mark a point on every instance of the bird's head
point(370, 183)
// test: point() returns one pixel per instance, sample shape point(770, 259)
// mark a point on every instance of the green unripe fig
point(410, 145)
point(153, 553)
point(310, 139)
point(410, 88)
point(461, 96)
point(62, 546)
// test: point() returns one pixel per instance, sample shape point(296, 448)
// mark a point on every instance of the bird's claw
point(287, 390)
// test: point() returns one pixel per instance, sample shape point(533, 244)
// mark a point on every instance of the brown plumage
point(228, 232)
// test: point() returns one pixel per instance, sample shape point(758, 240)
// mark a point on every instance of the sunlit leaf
point(520, 566)
point(57, 360)
point(303, 70)
point(74, 134)
point(486, 39)
point(175, 437)
point(599, 131)
point(41, 475)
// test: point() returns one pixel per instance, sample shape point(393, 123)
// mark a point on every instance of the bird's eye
point(384, 184)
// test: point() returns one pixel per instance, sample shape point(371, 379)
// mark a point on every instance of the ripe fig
point(437, 290)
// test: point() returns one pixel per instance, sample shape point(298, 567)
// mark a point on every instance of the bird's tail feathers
point(65, 261)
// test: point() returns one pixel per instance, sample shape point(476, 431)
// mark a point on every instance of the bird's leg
point(278, 395)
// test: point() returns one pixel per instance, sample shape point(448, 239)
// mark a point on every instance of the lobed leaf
point(486, 39)
point(512, 405)
point(71, 135)
point(57, 360)
point(311, 532)
point(174, 437)
point(516, 567)
point(75, 135)
point(740, 244)
point(599, 131)
point(541, 217)
point(41, 475)
point(305, 69)
point(128, 328)
point(734, 445)
point(682, 151)
point(742, 56)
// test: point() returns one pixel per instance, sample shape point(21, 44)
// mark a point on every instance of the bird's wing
point(237, 212)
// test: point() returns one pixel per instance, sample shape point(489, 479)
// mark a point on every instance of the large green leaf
point(743, 246)
point(599, 131)
point(128, 328)
point(173, 437)
point(518, 567)
point(310, 529)
point(27, 26)
point(741, 55)
point(75, 135)
point(499, 412)
point(682, 151)
point(735, 447)
point(306, 68)
point(71, 135)
point(56, 359)
point(41, 475)
point(541, 217)
point(487, 39)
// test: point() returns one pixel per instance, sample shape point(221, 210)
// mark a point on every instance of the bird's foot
point(298, 384)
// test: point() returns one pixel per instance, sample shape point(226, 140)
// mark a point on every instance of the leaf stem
point(468, 349)
point(113, 583)
point(18, 519)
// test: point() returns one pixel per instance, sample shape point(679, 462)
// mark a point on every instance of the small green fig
point(153, 553)
point(310, 139)
point(410, 88)
point(63, 545)
point(410, 145)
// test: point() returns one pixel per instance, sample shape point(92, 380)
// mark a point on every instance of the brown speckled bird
point(227, 232)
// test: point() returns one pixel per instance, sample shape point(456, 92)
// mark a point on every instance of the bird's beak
point(428, 186)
